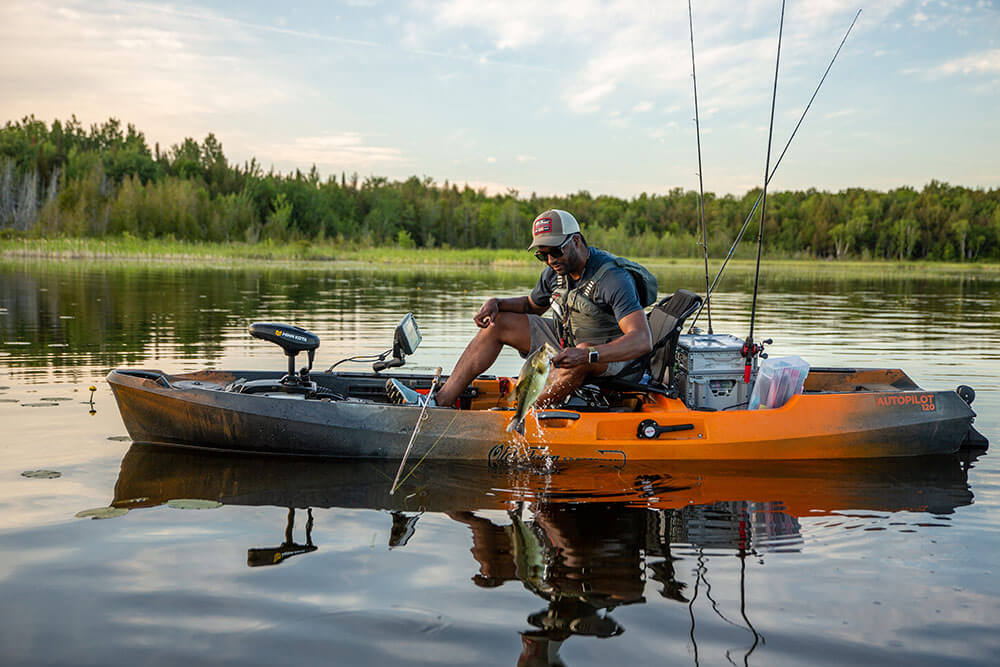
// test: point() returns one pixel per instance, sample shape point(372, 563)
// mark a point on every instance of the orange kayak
point(841, 414)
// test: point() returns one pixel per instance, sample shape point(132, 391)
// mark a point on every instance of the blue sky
point(549, 97)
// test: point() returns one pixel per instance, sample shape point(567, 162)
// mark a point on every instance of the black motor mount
point(292, 340)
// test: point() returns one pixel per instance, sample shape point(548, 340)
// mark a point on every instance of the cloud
point(130, 60)
point(345, 150)
point(620, 48)
point(838, 114)
point(984, 62)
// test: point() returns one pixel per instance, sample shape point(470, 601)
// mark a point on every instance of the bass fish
point(530, 383)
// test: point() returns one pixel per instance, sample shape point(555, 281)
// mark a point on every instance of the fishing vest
point(581, 319)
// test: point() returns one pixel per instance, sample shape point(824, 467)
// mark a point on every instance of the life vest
point(580, 318)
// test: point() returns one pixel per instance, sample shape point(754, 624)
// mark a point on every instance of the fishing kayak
point(842, 413)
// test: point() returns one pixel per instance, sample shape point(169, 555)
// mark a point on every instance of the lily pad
point(56, 399)
point(38, 405)
point(41, 474)
point(193, 504)
point(101, 513)
point(8, 400)
point(119, 438)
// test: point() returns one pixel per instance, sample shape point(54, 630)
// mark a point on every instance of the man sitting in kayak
point(598, 320)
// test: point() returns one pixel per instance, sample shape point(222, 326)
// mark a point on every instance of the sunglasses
point(555, 253)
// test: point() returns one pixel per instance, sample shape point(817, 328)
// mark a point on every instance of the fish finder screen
point(408, 334)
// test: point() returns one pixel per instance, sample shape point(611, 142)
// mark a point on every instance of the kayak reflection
point(586, 540)
point(153, 474)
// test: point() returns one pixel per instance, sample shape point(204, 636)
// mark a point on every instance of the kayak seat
point(666, 320)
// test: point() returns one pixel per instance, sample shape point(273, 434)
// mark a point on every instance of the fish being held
point(530, 383)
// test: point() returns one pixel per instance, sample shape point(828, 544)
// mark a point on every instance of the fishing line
point(746, 220)
point(429, 450)
point(697, 581)
point(701, 185)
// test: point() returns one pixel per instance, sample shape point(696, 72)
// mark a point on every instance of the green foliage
point(64, 180)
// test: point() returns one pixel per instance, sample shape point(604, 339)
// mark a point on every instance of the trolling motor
point(292, 340)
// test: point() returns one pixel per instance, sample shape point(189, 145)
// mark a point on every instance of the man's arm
point(636, 341)
point(518, 304)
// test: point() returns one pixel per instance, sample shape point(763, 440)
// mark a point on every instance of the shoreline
point(313, 255)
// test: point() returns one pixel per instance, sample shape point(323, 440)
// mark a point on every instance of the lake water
point(216, 559)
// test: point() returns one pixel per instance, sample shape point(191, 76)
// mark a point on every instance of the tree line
point(65, 179)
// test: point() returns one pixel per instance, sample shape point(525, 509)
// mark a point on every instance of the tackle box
point(709, 372)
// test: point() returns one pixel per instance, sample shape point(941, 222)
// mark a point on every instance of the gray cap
point(552, 227)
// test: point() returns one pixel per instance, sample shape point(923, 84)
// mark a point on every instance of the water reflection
point(585, 540)
point(67, 314)
point(257, 556)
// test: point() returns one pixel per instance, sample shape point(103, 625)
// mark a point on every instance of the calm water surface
point(304, 562)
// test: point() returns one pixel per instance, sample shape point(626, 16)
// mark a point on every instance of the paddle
point(416, 428)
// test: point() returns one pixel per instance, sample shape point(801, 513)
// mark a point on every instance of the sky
point(548, 97)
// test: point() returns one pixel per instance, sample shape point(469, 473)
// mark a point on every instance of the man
point(598, 322)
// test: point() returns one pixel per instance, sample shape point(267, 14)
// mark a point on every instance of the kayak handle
point(556, 414)
point(649, 429)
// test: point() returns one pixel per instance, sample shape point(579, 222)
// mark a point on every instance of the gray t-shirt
point(615, 291)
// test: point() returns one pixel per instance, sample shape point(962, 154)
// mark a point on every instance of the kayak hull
point(882, 415)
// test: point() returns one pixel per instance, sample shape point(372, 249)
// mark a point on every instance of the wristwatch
point(593, 355)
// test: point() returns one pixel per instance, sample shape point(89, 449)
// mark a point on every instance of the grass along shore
point(128, 249)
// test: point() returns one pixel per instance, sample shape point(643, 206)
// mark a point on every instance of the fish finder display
point(408, 334)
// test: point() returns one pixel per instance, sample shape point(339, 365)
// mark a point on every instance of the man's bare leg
point(507, 329)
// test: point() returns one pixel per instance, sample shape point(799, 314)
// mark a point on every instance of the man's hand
point(487, 315)
point(573, 356)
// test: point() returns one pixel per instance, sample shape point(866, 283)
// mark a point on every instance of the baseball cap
point(552, 227)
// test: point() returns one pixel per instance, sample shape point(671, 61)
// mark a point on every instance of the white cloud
point(839, 114)
point(616, 48)
point(128, 60)
point(985, 62)
point(491, 160)
point(346, 150)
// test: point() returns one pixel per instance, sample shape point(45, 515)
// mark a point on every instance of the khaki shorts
point(544, 330)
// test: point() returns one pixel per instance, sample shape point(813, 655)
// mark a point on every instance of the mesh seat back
point(665, 322)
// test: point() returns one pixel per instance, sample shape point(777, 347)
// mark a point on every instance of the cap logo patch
point(542, 226)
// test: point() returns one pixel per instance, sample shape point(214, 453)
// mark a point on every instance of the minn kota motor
point(292, 340)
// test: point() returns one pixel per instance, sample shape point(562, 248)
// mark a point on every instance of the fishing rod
point(750, 349)
point(746, 221)
point(701, 185)
point(416, 429)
